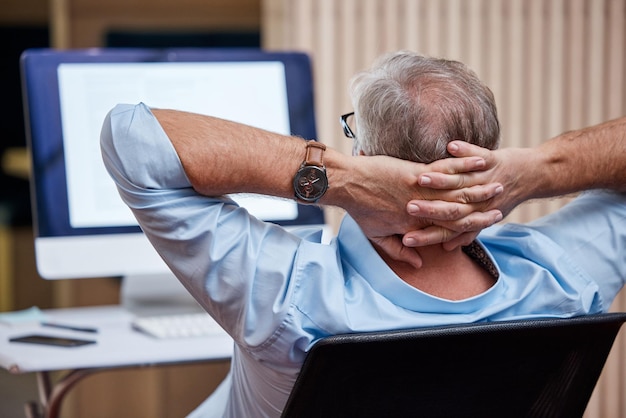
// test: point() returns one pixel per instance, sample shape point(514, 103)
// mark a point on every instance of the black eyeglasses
point(344, 124)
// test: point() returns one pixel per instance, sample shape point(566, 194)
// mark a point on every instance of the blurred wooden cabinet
point(84, 23)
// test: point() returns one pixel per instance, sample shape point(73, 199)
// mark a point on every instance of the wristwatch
point(310, 182)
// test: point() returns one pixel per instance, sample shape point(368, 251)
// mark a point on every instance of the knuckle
point(464, 197)
point(434, 235)
point(443, 235)
point(454, 212)
point(486, 193)
point(468, 225)
point(461, 181)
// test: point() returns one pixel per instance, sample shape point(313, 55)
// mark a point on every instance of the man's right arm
point(590, 158)
point(222, 157)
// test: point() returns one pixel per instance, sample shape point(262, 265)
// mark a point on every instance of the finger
point(474, 222)
point(457, 165)
point(478, 193)
point(465, 149)
point(449, 231)
point(393, 247)
point(455, 172)
point(428, 236)
point(443, 181)
point(439, 210)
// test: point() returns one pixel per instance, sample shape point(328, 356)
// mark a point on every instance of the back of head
point(410, 106)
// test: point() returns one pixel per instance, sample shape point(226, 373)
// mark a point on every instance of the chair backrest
point(524, 368)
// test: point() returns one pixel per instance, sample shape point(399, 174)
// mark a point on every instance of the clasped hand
point(447, 202)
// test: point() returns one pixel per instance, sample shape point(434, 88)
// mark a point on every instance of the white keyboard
point(178, 325)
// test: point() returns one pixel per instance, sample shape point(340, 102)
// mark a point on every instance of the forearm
point(221, 157)
point(591, 158)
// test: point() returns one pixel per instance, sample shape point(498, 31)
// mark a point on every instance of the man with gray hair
point(278, 292)
point(409, 106)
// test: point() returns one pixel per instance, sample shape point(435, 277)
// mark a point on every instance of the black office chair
point(527, 368)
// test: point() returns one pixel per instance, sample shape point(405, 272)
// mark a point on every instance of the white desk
point(117, 345)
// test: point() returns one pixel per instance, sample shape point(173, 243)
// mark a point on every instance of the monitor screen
point(82, 227)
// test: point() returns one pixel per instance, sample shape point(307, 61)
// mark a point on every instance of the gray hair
point(410, 106)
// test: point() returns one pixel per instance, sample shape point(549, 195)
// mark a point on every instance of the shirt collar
point(358, 252)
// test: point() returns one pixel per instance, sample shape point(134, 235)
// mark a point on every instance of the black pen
point(70, 327)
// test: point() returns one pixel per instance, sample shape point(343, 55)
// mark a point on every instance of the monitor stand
point(156, 294)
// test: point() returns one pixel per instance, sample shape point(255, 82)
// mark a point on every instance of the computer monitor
point(82, 228)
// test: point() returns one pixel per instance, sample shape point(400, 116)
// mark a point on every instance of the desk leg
point(53, 405)
point(43, 387)
point(50, 398)
point(33, 409)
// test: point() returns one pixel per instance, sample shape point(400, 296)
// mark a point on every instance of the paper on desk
point(23, 317)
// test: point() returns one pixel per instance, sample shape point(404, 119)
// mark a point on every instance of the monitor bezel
point(44, 129)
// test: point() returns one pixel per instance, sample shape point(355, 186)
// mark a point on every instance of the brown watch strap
point(314, 153)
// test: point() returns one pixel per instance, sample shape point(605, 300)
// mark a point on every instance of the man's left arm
point(574, 161)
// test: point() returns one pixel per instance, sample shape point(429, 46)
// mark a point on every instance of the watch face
point(310, 183)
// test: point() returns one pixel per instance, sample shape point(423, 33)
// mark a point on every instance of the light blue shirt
point(278, 292)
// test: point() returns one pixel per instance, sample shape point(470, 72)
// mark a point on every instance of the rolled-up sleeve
point(136, 149)
point(236, 266)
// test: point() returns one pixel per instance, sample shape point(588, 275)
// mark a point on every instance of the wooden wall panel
point(553, 65)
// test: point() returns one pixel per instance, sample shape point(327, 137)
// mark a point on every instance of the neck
point(446, 274)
